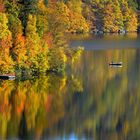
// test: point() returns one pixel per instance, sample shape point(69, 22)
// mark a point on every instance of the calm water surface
point(91, 102)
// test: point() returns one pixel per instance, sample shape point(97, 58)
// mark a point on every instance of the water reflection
point(27, 108)
point(109, 108)
point(108, 41)
point(92, 101)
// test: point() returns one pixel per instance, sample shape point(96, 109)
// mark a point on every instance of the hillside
point(32, 32)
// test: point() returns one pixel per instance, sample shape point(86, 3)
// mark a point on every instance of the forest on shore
point(32, 32)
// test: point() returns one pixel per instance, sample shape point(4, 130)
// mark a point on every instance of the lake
point(91, 101)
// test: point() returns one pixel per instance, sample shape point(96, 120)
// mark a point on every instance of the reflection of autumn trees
point(17, 100)
point(105, 108)
point(40, 102)
point(105, 103)
point(5, 106)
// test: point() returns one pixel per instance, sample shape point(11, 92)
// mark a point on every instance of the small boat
point(115, 64)
point(7, 77)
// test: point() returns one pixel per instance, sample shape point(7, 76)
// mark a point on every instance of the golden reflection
point(104, 104)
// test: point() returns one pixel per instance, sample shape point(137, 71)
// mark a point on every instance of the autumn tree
point(109, 18)
point(2, 7)
point(6, 63)
point(42, 19)
point(78, 23)
point(118, 16)
point(57, 23)
point(12, 7)
point(18, 50)
point(128, 15)
point(26, 7)
point(98, 10)
point(36, 49)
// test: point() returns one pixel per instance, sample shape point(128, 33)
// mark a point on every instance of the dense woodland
point(32, 32)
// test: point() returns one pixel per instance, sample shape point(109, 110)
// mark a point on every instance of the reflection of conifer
point(23, 127)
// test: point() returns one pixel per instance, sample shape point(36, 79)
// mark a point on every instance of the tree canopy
point(31, 31)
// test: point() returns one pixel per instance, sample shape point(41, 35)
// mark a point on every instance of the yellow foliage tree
point(6, 63)
point(36, 49)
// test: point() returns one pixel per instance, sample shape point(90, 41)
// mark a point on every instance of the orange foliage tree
point(18, 49)
point(2, 8)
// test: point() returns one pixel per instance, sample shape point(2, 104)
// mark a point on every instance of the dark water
point(92, 102)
